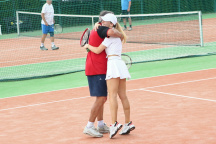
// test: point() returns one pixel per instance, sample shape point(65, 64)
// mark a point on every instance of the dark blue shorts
point(47, 29)
point(125, 12)
point(97, 85)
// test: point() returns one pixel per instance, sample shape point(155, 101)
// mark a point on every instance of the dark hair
point(103, 13)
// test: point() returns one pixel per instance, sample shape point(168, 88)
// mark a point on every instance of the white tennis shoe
point(127, 128)
point(104, 129)
point(54, 47)
point(92, 132)
point(114, 129)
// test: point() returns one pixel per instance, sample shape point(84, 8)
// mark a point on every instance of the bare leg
point(43, 38)
point(52, 39)
point(100, 114)
point(130, 22)
point(124, 99)
point(112, 85)
point(124, 20)
point(96, 109)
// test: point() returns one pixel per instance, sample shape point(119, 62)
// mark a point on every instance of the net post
point(17, 18)
point(200, 27)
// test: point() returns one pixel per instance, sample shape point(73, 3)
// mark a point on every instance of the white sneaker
point(114, 129)
point(130, 29)
point(127, 128)
point(105, 129)
point(124, 28)
point(54, 47)
point(92, 132)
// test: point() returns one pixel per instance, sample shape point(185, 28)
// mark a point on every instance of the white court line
point(180, 83)
point(129, 80)
point(179, 95)
point(50, 102)
point(142, 89)
point(39, 104)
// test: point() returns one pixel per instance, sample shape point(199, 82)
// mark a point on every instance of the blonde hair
point(119, 28)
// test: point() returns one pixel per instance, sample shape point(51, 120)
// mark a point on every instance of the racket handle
point(88, 50)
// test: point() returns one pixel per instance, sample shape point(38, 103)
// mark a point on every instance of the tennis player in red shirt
point(96, 67)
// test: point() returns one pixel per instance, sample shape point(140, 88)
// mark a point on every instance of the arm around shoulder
point(114, 33)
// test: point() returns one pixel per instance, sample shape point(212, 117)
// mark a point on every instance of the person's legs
point(101, 126)
point(43, 38)
point(42, 47)
point(113, 85)
point(52, 39)
point(124, 12)
point(44, 31)
point(98, 88)
point(51, 31)
point(97, 109)
point(128, 126)
point(100, 112)
point(125, 25)
point(130, 22)
point(124, 99)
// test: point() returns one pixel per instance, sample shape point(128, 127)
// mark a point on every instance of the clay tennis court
point(178, 108)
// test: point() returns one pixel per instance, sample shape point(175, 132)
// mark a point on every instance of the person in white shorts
point(116, 75)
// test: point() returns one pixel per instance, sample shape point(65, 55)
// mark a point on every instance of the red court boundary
point(178, 108)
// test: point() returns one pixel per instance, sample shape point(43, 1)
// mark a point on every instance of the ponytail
point(119, 28)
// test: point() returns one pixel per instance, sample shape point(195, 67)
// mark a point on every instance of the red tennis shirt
point(96, 64)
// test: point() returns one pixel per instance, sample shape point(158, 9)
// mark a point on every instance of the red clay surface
point(164, 109)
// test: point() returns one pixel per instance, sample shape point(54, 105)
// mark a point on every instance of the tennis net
point(180, 28)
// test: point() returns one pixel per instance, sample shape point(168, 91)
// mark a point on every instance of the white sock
point(90, 124)
point(42, 44)
point(101, 123)
point(52, 44)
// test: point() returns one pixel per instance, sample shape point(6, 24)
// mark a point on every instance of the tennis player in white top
point(116, 75)
point(47, 24)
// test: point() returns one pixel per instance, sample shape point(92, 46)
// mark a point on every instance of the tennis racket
point(127, 60)
point(85, 37)
point(58, 28)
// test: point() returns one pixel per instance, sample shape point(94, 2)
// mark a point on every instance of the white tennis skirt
point(116, 67)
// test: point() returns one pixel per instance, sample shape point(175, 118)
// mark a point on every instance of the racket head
point(85, 37)
point(58, 28)
point(127, 60)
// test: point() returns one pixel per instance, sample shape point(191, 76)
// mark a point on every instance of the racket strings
point(127, 60)
point(85, 38)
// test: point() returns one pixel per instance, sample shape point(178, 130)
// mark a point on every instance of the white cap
point(110, 17)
